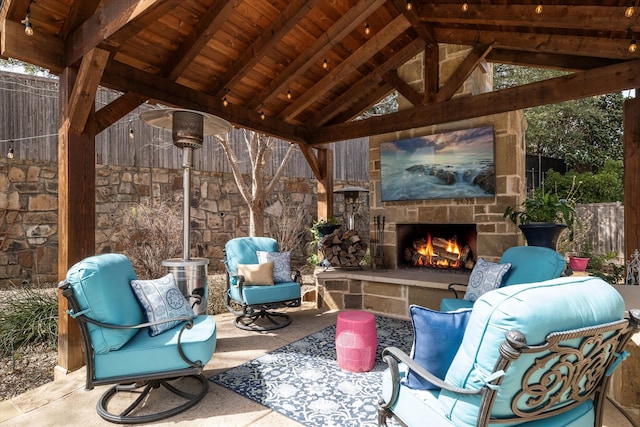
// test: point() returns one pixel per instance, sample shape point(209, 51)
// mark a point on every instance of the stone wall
point(29, 212)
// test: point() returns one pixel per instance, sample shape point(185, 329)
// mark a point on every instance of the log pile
point(438, 254)
point(342, 248)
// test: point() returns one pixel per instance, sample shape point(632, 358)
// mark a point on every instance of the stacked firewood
point(343, 248)
point(440, 254)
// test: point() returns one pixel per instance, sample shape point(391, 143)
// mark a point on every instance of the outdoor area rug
point(302, 380)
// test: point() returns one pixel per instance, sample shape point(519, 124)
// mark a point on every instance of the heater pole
point(187, 163)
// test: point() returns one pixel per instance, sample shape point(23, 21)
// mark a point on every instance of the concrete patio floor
point(66, 402)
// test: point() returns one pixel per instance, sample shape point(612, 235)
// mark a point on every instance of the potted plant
point(580, 261)
point(542, 218)
point(323, 227)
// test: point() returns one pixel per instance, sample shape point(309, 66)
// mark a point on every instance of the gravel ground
point(32, 365)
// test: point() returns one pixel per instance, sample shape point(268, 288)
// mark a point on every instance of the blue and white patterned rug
point(302, 380)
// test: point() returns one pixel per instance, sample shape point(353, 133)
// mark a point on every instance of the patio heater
point(351, 199)
point(187, 130)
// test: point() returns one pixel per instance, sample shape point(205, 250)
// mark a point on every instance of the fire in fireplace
point(439, 246)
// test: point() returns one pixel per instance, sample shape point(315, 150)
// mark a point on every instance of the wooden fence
point(603, 225)
point(29, 109)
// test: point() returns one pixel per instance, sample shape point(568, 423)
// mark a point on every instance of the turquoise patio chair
point(122, 347)
point(528, 264)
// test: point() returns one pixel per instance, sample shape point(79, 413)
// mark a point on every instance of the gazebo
point(302, 70)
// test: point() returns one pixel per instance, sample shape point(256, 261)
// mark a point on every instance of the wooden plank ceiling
point(303, 70)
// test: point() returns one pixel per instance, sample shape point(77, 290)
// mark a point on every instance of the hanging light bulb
point(10, 153)
point(465, 6)
point(262, 115)
point(225, 101)
point(633, 46)
point(367, 29)
point(132, 134)
point(289, 94)
point(630, 10)
point(28, 27)
point(539, 8)
point(325, 64)
point(409, 5)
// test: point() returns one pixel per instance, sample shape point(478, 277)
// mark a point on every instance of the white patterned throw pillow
point(161, 300)
point(486, 276)
point(281, 264)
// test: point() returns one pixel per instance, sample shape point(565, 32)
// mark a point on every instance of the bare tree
point(259, 148)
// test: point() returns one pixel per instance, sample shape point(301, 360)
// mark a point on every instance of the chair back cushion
point(536, 310)
point(101, 285)
point(243, 250)
point(531, 264)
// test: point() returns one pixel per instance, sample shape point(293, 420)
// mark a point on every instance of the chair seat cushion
point(453, 304)
point(145, 354)
point(101, 285)
point(284, 291)
point(535, 309)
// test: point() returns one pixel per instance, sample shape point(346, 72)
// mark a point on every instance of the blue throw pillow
point(281, 264)
point(486, 276)
point(161, 300)
point(437, 336)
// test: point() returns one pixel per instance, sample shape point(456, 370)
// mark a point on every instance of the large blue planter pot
point(542, 233)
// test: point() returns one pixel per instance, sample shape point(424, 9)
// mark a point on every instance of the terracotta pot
point(578, 263)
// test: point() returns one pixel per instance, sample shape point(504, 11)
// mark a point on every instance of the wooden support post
point(76, 213)
point(325, 184)
point(431, 75)
point(631, 175)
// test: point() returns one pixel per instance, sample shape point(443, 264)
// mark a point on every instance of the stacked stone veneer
point(495, 234)
point(29, 212)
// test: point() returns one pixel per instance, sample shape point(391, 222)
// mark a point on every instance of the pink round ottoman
point(356, 341)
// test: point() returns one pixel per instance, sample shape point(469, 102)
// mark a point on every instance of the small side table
point(356, 341)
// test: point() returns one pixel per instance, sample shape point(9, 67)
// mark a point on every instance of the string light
point(633, 46)
point(629, 11)
point(262, 115)
point(325, 64)
point(28, 27)
point(289, 94)
point(367, 29)
point(409, 5)
point(539, 8)
point(10, 154)
point(225, 101)
point(465, 6)
point(132, 134)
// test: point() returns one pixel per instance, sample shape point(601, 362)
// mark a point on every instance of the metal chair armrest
point(457, 287)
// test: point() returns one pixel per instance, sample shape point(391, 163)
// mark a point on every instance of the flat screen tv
point(458, 164)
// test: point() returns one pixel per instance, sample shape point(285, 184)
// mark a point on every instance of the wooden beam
point(312, 160)
point(364, 104)
point(317, 51)
point(464, 70)
point(76, 215)
point(610, 48)
point(272, 35)
point(213, 19)
point(121, 16)
point(576, 16)
point(582, 84)
point(80, 11)
point(40, 49)
point(431, 73)
point(121, 77)
point(403, 87)
point(117, 109)
point(350, 97)
point(83, 95)
point(325, 185)
point(546, 60)
point(631, 175)
point(425, 31)
point(13, 10)
point(346, 67)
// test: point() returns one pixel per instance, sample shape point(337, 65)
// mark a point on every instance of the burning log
point(444, 254)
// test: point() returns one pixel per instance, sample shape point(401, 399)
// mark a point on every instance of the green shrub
point(602, 187)
point(27, 316)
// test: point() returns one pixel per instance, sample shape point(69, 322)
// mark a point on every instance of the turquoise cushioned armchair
point(254, 305)
point(533, 355)
point(528, 264)
point(119, 349)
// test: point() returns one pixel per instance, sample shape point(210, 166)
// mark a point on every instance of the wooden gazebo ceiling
point(196, 53)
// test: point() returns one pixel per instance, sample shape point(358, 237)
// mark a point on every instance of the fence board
point(604, 223)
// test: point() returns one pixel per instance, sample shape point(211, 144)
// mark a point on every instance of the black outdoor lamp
point(351, 199)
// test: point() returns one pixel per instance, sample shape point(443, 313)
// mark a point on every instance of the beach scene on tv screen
point(457, 164)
